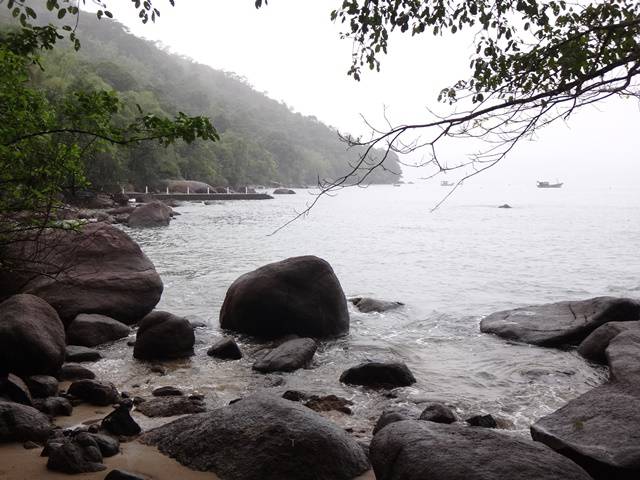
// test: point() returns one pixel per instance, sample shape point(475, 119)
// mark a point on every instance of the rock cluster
point(600, 430)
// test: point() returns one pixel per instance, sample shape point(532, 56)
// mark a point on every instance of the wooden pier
point(196, 197)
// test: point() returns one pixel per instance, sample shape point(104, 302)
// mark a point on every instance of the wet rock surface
point(226, 349)
point(392, 415)
point(119, 422)
point(77, 353)
point(91, 330)
point(32, 339)
point(74, 371)
point(299, 295)
point(167, 391)
point(42, 386)
point(171, 406)
point(265, 437)
point(78, 454)
point(320, 403)
point(379, 375)
point(162, 335)
point(21, 423)
point(152, 214)
point(484, 421)
point(600, 430)
point(54, 406)
point(288, 356)
point(123, 475)
point(561, 323)
point(457, 452)
point(97, 270)
point(94, 392)
point(368, 305)
point(595, 345)
point(438, 413)
point(13, 388)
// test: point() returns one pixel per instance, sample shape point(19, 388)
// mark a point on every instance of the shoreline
point(19, 463)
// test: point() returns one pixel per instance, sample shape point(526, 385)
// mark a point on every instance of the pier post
point(167, 190)
point(187, 189)
point(146, 189)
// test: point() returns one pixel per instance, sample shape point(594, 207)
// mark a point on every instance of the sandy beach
point(18, 463)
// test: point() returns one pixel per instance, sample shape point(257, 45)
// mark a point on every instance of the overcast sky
point(292, 51)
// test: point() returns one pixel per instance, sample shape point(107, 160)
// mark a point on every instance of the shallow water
point(450, 267)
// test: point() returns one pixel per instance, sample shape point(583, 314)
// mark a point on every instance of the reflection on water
point(450, 268)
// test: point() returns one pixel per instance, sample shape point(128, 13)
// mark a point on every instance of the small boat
point(549, 185)
point(445, 183)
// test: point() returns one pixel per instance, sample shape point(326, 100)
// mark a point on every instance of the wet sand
point(18, 463)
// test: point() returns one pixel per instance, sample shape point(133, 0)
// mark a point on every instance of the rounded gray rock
point(263, 437)
point(90, 330)
point(162, 336)
point(418, 450)
point(32, 337)
point(299, 295)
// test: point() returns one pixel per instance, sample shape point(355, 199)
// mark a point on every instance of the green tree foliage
point(48, 134)
point(248, 122)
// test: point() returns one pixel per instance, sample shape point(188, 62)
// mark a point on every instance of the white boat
point(540, 184)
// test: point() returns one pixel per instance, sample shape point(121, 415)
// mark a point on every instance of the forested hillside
point(261, 140)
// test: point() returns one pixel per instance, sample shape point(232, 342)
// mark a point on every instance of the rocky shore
point(83, 289)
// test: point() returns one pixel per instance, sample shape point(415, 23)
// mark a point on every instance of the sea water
point(450, 267)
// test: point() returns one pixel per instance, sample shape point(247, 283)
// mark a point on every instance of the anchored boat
point(540, 184)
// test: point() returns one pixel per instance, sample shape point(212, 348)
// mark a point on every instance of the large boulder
point(98, 269)
point(299, 295)
point(163, 336)
point(263, 437)
point(31, 336)
point(594, 346)
point(418, 450)
point(600, 430)
point(90, 330)
point(379, 375)
point(21, 423)
point(561, 323)
point(152, 214)
point(287, 357)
